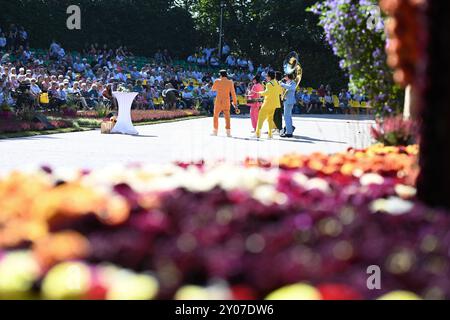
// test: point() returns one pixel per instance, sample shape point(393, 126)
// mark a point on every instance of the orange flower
point(59, 247)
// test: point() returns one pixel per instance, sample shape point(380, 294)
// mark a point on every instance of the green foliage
point(360, 47)
point(142, 25)
point(5, 107)
point(102, 111)
point(267, 30)
point(88, 123)
point(263, 30)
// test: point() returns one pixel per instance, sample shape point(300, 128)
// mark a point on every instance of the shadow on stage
point(297, 139)
point(144, 136)
point(304, 139)
point(32, 138)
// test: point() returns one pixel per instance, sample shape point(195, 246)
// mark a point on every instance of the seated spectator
point(35, 91)
point(135, 74)
point(93, 97)
point(242, 63)
point(138, 87)
point(2, 91)
point(170, 96)
point(190, 87)
point(202, 61)
point(321, 91)
point(208, 54)
point(315, 103)
point(306, 99)
point(5, 95)
point(207, 101)
point(241, 89)
point(344, 101)
point(231, 61)
point(75, 90)
point(54, 96)
point(357, 97)
point(62, 94)
point(329, 103)
point(192, 59)
point(149, 95)
point(187, 97)
point(215, 62)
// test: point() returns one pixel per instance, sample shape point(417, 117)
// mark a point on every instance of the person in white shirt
point(75, 89)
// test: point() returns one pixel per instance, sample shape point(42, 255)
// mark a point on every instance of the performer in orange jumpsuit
point(225, 89)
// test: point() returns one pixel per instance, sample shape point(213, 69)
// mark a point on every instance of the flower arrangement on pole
point(355, 31)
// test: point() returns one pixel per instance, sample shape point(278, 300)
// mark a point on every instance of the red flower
point(241, 292)
point(338, 292)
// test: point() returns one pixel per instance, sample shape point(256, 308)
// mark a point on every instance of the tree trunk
point(434, 109)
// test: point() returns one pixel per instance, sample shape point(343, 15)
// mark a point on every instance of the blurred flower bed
point(15, 125)
point(9, 123)
point(299, 227)
point(145, 115)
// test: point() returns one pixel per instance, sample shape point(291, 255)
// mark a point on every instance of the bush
point(395, 131)
point(14, 126)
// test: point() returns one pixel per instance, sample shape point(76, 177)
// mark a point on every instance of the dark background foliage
point(263, 30)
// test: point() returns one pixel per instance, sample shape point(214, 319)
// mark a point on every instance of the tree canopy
point(263, 30)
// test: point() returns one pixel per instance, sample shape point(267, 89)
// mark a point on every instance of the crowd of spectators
point(13, 37)
point(211, 57)
point(86, 79)
point(324, 101)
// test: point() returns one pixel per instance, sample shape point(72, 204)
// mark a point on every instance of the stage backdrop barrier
point(124, 124)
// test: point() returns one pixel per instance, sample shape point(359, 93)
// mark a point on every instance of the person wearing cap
point(271, 102)
point(224, 88)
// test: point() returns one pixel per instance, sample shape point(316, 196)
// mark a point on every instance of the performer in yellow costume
point(271, 102)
